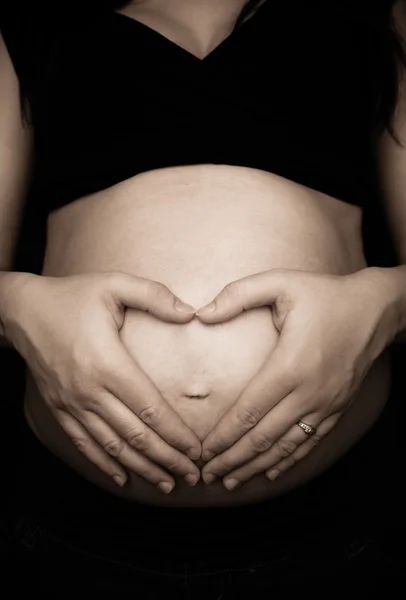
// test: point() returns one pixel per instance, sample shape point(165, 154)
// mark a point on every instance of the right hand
point(67, 331)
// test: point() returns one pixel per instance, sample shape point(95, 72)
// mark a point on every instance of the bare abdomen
point(196, 229)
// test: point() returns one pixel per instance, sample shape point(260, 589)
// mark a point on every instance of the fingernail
point(206, 310)
point(191, 479)
point(208, 455)
point(209, 477)
point(193, 453)
point(183, 308)
point(165, 487)
point(231, 484)
point(119, 480)
point(272, 475)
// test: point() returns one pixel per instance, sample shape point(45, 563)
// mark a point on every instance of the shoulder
point(22, 33)
point(32, 31)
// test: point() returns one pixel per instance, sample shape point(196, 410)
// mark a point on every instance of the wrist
point(391, 286)
point(10, 285)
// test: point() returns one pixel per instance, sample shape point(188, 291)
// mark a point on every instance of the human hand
point(67, 330)
point(332, 328)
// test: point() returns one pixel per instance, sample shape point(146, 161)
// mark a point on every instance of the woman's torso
point(195, 228)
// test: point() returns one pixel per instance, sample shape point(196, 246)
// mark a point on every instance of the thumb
point(150, 296)
point(254, 291)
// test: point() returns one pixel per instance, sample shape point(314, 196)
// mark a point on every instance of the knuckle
point(110, 280)
point(100, 364)
point(175, 441)
point(260, 442)
point(81, 443)
point(64, 402)
point(91, 403)
point(248, 417)
point(114, 447)
point(157, 292)
point(138, 439)
point(222, 444)
point(315, 439)
point(87, 400)
point(289, 462)
point(232, 290)
point(150, 416)
point(285, 447)
point(53, 399)
point(95, 366)
point(82, 356)
point(173, 464)
point(82, 379)
point(147, 472)
point(292, 372)
point(77, 384)
point(224, 465)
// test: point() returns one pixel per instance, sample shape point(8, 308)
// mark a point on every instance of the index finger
point(127, 382)
point(272, 383)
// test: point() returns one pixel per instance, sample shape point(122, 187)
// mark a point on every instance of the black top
point(288, 92)
point(291, 92)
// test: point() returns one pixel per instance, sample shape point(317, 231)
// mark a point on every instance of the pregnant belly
point(196, 229)
point(200, 369)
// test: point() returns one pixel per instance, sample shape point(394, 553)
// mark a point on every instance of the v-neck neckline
point(217, 50)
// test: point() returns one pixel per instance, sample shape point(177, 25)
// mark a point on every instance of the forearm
point(394, 280)
point(9, 283)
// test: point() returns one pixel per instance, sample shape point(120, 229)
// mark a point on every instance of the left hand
point(332, 328)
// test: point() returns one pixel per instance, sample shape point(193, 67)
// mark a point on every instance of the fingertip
point(166, 487)
point(217, 316)
point(120, 480)
point(209, 478)
point(183, 308)
point(194, 453)
point(272, 474)
point(192, 479)
point(208, 455)
point(207, 310)
point(231, 483)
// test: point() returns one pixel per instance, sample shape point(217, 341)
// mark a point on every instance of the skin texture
point(260, 432)
point(200, 370)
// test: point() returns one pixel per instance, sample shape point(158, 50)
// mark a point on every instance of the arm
point(392, 167)
point(392, 281)
point(34, 317)
point(9, 281)
point(15, 170)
